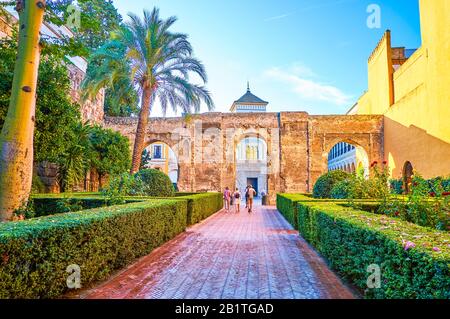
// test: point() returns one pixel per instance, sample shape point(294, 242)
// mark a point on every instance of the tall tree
point(111, 152)
point(56, 114)
point(160, 62)
point(108, 68)
point(96, 20)
point(16, 139)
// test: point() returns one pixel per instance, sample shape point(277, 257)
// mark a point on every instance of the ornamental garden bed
point(414, 260)
point(35, 253)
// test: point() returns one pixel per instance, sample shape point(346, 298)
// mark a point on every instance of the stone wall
point(297, 145)
point(91, 109)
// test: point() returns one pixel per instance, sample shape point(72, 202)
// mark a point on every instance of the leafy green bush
point(420, 206)
point(120, 187)
point(37, 185)
point(155, 183)
point(201, 206)
point(325, 183)
point(414, 260)
point(397, 186)
point(356, 186)
point(287, 204)
point(36, 253)
point(342, 189)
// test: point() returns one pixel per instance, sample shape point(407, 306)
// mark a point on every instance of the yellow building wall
point(417, 124)
point(380, 77)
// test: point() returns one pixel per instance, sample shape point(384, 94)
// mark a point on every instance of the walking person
point(226, 198)
point(237, 200)
point(251, 194)
point(246, 196)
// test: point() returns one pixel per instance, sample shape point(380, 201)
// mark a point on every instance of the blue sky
point(300, 55)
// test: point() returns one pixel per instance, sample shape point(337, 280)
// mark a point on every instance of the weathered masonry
point(297, 145)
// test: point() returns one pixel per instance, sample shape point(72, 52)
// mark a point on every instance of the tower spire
point(248, 86)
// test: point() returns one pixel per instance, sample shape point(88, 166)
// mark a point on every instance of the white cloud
point(278, 17)
point(298, 78)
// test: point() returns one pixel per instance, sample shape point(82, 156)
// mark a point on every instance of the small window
point(157, 151)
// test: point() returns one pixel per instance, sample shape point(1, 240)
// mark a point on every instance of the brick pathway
point(228, 256)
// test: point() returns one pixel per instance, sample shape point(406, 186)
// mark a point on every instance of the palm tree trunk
point(16, 139)
point(141, 130)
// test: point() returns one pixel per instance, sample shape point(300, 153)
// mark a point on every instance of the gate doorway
point(254, 182)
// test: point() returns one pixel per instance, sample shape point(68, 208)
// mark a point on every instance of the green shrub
point(44, 206)
point(351, 240)
point(421, 207)
point(397, 186)
point(325, 183)
point(36, 253)
point(201, 206)
point(356, 186)
point(286, 205)
point(154, 183)
point(122, 186)
point(341, 190)
point(37, 185)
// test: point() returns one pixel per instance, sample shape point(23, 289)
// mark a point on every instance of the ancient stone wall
point(297, 145)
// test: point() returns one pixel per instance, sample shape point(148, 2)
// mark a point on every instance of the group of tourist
point(234, 199)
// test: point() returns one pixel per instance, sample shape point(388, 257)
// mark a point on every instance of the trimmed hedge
point(287, 204)
point(50, 206)
point(35, 253)
point(351, 240)
point(201, 206)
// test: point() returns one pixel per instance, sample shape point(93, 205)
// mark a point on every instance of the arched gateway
point(292, 147)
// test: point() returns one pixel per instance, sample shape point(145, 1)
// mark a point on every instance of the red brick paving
point(228, 256)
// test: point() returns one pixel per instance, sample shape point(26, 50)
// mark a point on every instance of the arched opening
point(408, 172)
point(251, 164)
point(350, 158)
point(158, 155)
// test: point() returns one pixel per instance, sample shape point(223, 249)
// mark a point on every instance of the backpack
point(237, 195)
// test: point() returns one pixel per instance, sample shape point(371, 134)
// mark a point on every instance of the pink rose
point(408, 245)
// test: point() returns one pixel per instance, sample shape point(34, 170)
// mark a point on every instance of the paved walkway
point(229, 256)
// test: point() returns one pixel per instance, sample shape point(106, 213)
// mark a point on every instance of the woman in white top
point(237, 200)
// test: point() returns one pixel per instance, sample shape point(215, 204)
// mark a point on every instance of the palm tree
point(160, 63)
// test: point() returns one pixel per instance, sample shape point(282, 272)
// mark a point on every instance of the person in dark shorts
point(251, 194)
point(246, 196)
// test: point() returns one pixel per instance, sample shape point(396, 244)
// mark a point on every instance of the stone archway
point(251, 158)
point(297, 145)
point(162, 157)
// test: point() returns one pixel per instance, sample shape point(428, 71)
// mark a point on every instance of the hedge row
point(414, 260)
point(35, 254)
point(287, 204)
point(201, 206)
point(52, 205)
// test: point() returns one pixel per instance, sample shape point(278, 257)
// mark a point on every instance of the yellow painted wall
point(380, 77)
point(417, 124)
